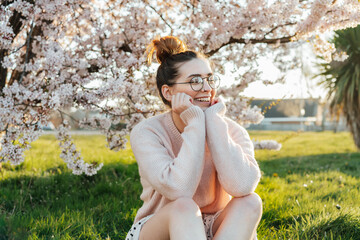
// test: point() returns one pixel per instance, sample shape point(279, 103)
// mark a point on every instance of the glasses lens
point(214, 81)
point(196, 83)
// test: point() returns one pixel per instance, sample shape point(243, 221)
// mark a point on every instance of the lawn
point(310, 190)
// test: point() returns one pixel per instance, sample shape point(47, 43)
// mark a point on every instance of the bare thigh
point(175, 215)
point(250, 207)
point(157, 227)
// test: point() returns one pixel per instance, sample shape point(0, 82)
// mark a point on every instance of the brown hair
point(170, 53)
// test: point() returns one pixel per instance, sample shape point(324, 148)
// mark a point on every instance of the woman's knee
point(184, 206)
point(174, 214)
point(251, 203)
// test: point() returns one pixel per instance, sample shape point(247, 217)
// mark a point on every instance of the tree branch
point(3, 71)
point(278, 26)
point(27, 51)
point(244, 41)
point(160, 15)
point(71, 117)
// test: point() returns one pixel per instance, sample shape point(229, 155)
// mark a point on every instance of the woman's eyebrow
point(198, 75)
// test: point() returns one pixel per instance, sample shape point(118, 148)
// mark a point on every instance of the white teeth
point(203, 99)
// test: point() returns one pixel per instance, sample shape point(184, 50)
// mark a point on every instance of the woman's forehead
point(195, 66)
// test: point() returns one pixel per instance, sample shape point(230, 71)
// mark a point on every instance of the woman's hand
point(214, 101)
point(217, 105)
point(180, 102)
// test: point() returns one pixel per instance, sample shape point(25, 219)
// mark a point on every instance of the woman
point(197, 167)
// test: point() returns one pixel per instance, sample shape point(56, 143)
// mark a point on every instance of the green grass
point(310, 190)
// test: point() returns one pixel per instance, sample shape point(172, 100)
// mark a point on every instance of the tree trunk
point(3, 71)
point(355, 130)
point(352, 114)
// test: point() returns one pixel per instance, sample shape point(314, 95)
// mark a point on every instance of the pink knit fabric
point(212, 160)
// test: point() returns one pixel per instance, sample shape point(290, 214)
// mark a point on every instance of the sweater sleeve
point(172, 177)
point(232, 151)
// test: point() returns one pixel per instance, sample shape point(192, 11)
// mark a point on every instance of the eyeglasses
point(197, 82)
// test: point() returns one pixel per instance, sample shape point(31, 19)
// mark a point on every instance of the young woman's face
point(195, 67)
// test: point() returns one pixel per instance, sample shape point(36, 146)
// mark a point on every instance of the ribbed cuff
point(193, 112)
point(218, 108)
point(172, 127)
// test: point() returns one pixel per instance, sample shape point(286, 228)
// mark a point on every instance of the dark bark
point(3, 71)
point(352, 113)
point(126, 48)
point(243, 41)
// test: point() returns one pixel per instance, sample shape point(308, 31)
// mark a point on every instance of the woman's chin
point(203, 105)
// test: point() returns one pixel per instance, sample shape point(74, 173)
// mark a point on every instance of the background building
point(297, 114)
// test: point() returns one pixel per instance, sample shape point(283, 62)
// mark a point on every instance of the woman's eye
point(196, 80)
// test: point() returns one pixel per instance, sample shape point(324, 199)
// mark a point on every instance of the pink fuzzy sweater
point(212, 160)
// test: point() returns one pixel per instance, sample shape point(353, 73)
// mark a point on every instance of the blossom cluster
point(89, 55)
point(267, 144)
point(340, 56)
point(72, 156)
point(323, 48)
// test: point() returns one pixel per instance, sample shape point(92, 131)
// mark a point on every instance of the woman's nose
point(206, 87)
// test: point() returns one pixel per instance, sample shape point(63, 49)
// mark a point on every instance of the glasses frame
point(207, 79)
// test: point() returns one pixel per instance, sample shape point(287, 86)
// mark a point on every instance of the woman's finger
point(214, 101)
point(188, 99)
point(191, 100)
point(173, 101)
point(183, 98)
point(177, 99)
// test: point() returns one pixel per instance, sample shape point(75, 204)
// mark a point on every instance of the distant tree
point(342, 79)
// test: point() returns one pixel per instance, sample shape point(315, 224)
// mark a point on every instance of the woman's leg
point(239, 219)
point(180, 219)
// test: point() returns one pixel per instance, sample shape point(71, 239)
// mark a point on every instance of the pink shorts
point(208, 220)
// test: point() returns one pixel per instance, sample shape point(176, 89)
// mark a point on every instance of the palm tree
point(342, 80)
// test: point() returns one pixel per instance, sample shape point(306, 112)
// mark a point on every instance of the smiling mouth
point(206, 99)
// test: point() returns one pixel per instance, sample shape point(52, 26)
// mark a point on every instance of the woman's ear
point(166, 92)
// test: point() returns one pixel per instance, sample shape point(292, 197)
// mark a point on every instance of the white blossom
point(323, 48)
point(339, 56)
point(72, 156)
point(252, 115)
point(267, 144)
point(6, 35)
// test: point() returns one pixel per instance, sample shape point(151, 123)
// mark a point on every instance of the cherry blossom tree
point(56, 54)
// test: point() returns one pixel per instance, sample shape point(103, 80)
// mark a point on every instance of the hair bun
point(165, 47)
